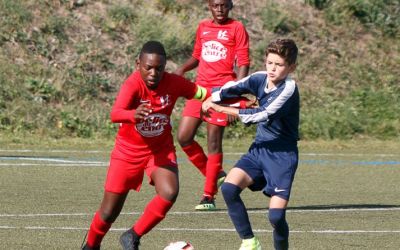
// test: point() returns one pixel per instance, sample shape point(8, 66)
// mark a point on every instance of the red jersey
point(136, 138)
point(218, 47)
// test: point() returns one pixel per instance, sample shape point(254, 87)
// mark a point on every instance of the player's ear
point(137, 62)
point(230, 7)
point(292, 67)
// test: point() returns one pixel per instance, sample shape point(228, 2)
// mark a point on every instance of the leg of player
point(277, 218)
point(186, 132)
point(109, 210)
point(167, 188)
point(235, 182)
point(214, 167)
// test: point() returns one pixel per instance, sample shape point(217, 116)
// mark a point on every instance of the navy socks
point(277, 217)
point(237, 210)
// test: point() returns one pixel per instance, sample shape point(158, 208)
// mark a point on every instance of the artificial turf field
point(345, 196)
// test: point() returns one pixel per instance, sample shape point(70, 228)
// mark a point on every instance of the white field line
point(103, 164)
point(227, 153)
point(50, 160)
point(212, 230)
point(52, 151)
point(326, 210)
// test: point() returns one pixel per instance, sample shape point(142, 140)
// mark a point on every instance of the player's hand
point(252, 103)
point(232, 119)
point(143, 111)
point(207, 104)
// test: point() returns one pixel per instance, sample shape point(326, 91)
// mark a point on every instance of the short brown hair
point(285, 48)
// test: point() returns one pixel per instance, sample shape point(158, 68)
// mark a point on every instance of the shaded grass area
point(337, 205)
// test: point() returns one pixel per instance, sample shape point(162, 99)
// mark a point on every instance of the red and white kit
point(144, 145)
point(218, 48)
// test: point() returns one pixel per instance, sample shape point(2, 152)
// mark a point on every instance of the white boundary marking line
point(212, 230)
point(52, 151)
point(57, 164)
point(48, 159)
point(227, 153)
point(327, 210)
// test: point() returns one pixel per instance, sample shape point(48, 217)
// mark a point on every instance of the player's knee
point(230, 191)
point(184, 140)
point(277, 217)
point(108, 215)
point(169, 194)
point(214, 145)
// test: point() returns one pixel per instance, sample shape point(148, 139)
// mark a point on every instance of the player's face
point(151, 67)
point(277, 68)
point(219, 10)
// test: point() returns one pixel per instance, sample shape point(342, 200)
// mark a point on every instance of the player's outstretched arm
point(190, 64)
point(243, 71)
point(207, 104)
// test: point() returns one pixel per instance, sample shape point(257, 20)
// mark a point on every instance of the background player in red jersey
point(221, 44)
point(144, 144)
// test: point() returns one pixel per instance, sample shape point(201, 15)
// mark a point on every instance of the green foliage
point(61, 67)
point(74, 125)
point(178, 42)
point(275, 20)
point(41, 90)
point(364, 111)
point(121, 17)
point(383, 15)
point(56, 26)
point(319, 4)
point(14, 16)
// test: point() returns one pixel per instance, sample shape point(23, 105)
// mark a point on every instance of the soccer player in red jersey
point(144, 144)
point(221, 44)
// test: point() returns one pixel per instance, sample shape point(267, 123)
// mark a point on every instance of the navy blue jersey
point(278, 113)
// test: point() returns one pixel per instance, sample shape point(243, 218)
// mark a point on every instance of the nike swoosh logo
point(206, 32)
point(279, 190)
point(220, 120)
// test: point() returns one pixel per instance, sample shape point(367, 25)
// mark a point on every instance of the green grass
point(344, 197)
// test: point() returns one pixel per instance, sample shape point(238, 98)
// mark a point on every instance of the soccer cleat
point(250, 244)
point(207, 203)
point(221, 178)
point(130, 240)
point(86, 247)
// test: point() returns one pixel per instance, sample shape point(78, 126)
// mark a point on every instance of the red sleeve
point(186, 88)
point(242, 46)
point(122, 111)
point(197, 44)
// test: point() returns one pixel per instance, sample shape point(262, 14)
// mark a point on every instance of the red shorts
point(193, 109)
point(124, 174)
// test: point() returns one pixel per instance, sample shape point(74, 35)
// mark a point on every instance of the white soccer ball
point(179, 245)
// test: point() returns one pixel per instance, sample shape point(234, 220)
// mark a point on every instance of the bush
point(382, 15)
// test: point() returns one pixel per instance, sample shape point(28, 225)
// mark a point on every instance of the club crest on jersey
point(153, 125)
point(165, 101)
point(222, 35)
point(213, 51)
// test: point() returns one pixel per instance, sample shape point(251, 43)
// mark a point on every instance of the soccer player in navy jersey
point(271, 161)
point(143, 145)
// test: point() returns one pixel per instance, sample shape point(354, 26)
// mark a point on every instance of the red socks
point(97, 230)
point(209, 166)
point(214, 166)
point(197, 156)
point(154, 212)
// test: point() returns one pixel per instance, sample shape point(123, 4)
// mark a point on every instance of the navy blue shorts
point(272, 168)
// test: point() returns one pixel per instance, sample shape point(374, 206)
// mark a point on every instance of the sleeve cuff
point(215, 97)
